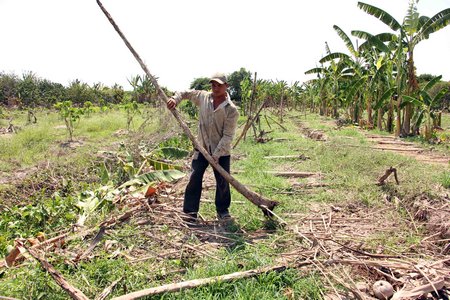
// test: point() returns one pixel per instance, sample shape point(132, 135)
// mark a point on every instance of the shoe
point(223, 215)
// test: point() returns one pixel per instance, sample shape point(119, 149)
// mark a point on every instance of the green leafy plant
point(88, 108)
point(189, 108)
point(132, 109)
point(426, 106)
point(70, 115)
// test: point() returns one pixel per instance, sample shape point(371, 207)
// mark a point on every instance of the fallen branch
point(398, 149)
point(293, 174)
point(301, 157)
point(94, 243)
point(73, 292)
point(281, 126)
point(256, 199)
point(176, 287)
point(7, 298)
point(249, 124)
point(420, 290)
point(286, 173)
point(108, 290)
point(387, 174)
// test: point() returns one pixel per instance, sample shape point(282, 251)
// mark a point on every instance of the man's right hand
point(171, 103)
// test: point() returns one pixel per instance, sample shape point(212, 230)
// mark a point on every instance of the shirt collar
point(224, 103)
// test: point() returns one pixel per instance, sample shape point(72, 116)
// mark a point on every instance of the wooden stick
point(250, 123)
point(281, 126)
point(91, 247)
point(387, 174)
point(107, 290)
point(256, 199)
point(176, 287)
point(301, 156)
point(73, 292)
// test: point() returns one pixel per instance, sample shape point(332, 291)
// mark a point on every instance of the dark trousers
point(193, 190)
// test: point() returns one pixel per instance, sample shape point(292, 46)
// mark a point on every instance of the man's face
point(219, 89)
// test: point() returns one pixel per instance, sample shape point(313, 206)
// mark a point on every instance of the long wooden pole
point(265, 204)
point(176, 287)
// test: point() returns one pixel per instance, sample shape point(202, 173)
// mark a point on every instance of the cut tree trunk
point(266, 205)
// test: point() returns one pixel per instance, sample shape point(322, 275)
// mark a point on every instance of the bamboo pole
point(265, 204)
point(176, 287)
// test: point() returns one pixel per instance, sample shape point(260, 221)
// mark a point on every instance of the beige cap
point(219, 77)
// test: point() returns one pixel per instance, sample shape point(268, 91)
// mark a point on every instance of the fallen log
point(301, 157)
point(288, 174)
point(400, 143)
point(266, 205)
point(293, 174)
point(179, 286)
point(398, 149)
point(73, 292)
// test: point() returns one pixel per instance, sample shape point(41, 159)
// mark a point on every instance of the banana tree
point(321, 87)
point(427, 106)
point(312, 88)
point(413, 30)
point(379, 52)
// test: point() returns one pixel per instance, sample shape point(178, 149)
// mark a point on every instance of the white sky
point(179, 40)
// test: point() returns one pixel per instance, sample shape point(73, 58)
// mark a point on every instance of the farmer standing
point(217, 125)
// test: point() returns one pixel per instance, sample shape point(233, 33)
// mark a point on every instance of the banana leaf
point(147, 178)
point(387, 95)
point(161, 165)
point(174, 152)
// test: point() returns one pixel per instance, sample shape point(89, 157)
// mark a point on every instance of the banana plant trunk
point(407, 115)
point(266, 205)
point(380, 119)
point(398, 120)
point(413, 86)
point(369, 112)
point(390, 117)
point(282, 106)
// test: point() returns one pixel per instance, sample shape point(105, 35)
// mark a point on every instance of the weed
point(445, 179)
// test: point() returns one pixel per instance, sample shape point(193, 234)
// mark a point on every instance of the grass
point(345, 162)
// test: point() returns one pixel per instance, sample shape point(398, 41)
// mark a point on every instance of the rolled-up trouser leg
point(223, 194)
point(193, 190)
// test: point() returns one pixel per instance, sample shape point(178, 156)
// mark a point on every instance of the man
point(217, 125)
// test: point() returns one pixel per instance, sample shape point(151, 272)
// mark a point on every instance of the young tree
point(70, 115)
point(234, 80)
point(201, 83)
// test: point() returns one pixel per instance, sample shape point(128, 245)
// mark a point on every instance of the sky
point(179, 40)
